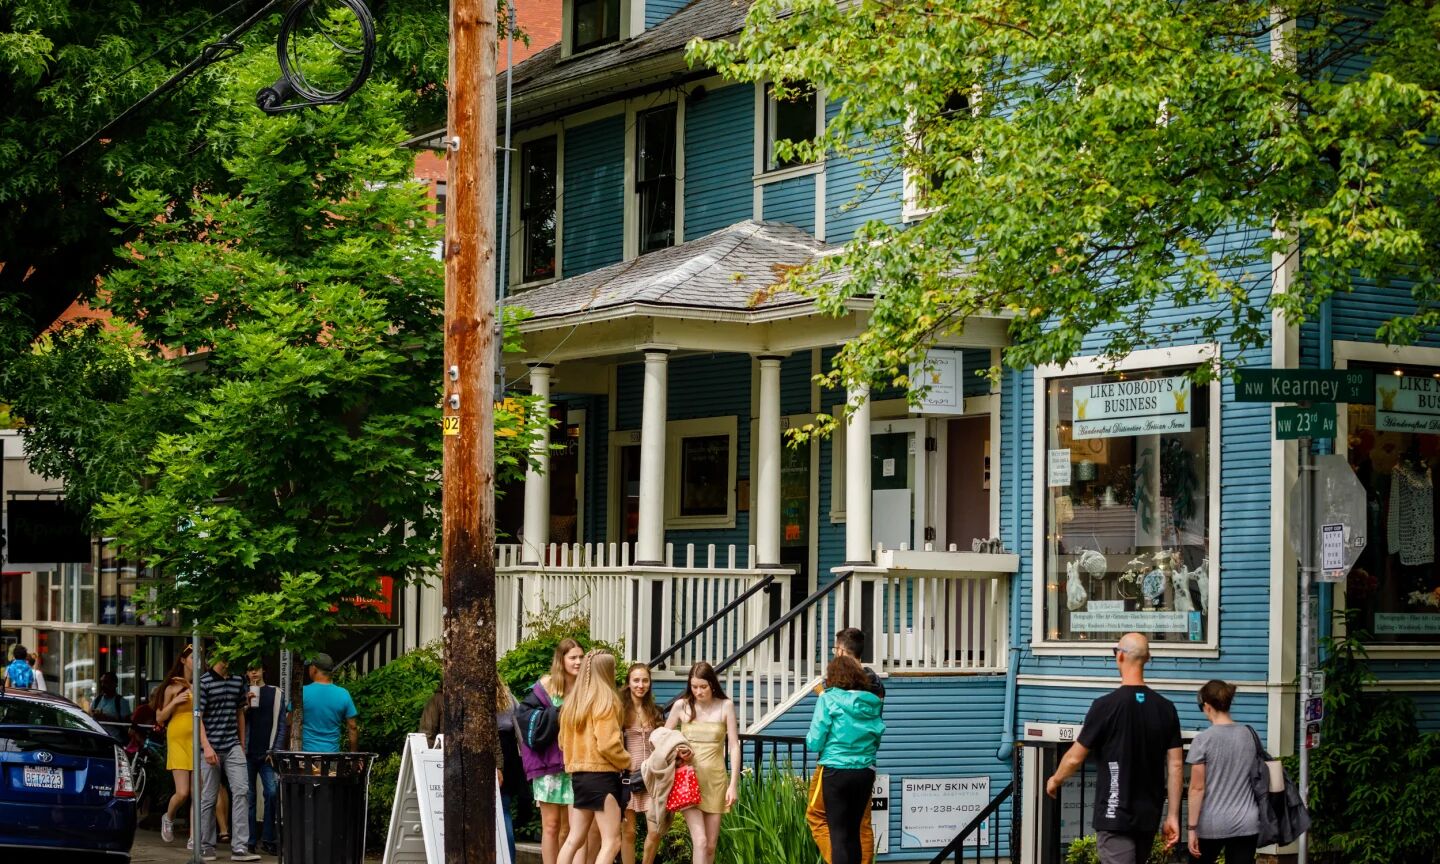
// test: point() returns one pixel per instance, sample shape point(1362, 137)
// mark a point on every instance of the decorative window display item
point(1144, 496)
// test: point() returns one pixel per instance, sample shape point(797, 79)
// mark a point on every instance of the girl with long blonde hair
point(595, 757)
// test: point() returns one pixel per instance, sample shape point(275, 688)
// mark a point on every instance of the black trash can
point(323, 801)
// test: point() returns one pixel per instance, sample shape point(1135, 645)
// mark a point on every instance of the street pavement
point(150, 849)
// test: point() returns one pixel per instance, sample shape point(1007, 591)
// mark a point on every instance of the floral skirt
point(553, 789)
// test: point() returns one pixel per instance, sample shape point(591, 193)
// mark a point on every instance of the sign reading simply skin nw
point(1140, 406)
point(1407, 403)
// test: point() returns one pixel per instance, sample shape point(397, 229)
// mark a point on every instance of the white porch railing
point(915, 622)
point(647, 608)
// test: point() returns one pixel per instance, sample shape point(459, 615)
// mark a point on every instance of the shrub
point(530, 659)
point(1375, 779)
point(390, 699)
point(768, 822)
point(1082, 850)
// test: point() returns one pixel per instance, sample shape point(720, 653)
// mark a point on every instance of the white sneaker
point(167, 829)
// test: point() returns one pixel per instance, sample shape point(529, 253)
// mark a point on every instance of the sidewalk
point(150, 849)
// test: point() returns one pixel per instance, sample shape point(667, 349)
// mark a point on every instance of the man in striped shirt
point(222, 728)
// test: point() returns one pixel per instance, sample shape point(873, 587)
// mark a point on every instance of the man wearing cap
point(326, 706)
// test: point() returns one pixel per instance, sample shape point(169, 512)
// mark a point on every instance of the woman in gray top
point(1223, 813)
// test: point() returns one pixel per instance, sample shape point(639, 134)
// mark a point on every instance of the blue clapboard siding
point(976, 360)
point(1037, 704)
point(1245, 640)
point(855, 193)
point(935, 727)
point(795, 374)
point(791, 201)
point(658, 10)
point(594, 195)
point(1429, 708)
point(719, 160)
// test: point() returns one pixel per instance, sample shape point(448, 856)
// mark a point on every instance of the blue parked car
point(65, 785)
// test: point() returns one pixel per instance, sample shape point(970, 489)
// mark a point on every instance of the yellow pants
point(820, 829)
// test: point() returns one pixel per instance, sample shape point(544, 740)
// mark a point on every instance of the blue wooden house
point(992, 542)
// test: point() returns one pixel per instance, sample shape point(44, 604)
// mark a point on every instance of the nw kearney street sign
point(1316, 421)
point(1305, 385)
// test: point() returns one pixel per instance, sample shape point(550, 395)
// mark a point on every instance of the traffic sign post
point(1326, 553)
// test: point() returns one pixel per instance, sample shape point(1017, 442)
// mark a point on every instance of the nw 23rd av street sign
point(1305, 385)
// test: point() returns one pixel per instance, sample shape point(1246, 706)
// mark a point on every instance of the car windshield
point(23, 712)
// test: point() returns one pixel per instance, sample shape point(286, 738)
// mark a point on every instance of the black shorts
point(593, 787)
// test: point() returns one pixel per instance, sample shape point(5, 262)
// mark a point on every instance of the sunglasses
point(1116, 650)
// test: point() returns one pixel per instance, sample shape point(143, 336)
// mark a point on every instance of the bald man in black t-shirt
point(1134, 733)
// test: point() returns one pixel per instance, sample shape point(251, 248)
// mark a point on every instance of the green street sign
point(1305, 385)
point(1316, 421)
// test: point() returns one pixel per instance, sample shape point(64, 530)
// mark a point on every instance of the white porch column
point(767, 465)
point(857, 476)
point(537, 476)
point(650, 547)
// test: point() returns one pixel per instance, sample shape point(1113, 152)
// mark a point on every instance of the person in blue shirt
point(325, 707)
point(19, 674)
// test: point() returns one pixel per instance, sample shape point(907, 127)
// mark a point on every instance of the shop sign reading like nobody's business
point(1139, 406)
point(1407, 403)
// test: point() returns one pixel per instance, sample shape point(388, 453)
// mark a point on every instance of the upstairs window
point(795, 119)
point(655, 177)
point(957, 104)
point(594, 23)
point(537, 209)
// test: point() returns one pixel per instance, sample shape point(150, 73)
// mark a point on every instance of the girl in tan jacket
point(595, 758)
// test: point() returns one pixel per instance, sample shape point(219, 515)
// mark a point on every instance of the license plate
point(37, 777)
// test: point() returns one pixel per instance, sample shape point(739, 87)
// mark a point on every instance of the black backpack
point(537, 720)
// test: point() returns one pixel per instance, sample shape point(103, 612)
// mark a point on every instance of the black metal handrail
point(956, 847)
point(761, 742)
point(780, 622)
point(711, 621)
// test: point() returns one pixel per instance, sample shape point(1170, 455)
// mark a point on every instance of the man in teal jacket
point(845, 731)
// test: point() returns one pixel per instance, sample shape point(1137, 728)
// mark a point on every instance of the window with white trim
point(918, 187)
point(701, 466)
point(593, 23)
point(1127, 515)
point(655, 186)
point(793, 119)
point(539, 169)
point(1394, 449)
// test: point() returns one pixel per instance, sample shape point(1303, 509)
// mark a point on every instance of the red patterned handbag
point(686, 791)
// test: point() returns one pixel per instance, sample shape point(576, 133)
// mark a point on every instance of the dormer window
point(794, 119)
point(593, 23)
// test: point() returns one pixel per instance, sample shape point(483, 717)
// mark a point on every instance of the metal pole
point(1307, 572)
point(468, 505)
point(196, 750)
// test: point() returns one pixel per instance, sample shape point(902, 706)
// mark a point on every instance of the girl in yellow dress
point(173, 709)
point(707, 720)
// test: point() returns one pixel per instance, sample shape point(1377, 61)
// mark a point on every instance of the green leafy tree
point(1088, 163)
point(69, 67)
point(259, 420)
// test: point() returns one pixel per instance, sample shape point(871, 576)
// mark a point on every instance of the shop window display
point(1127, 517)
point(1394, 448)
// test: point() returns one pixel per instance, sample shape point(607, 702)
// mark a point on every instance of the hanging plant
point(1178, 480)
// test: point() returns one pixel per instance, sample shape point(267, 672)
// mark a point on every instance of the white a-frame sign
point(417, 819)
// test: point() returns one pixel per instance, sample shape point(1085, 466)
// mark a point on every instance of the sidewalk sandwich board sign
point(417, 819)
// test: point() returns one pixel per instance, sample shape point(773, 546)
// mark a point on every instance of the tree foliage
point(1113, 159)
point(69, 67)
point(259, 419)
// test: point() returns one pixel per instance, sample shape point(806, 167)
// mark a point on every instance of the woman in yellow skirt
point(173, 709)
point(707, 720)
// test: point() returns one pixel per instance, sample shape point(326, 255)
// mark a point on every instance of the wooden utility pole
point(469, 481)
